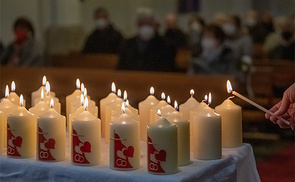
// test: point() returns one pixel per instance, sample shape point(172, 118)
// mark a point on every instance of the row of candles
point(170, 134)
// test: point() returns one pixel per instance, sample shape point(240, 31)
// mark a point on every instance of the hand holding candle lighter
point(285, 108)
point(230, 90)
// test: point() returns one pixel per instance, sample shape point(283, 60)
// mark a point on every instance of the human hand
point(285, 108)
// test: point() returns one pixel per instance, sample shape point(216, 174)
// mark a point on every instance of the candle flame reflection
point(113, 87)
point(44, 80)
point(228, 86)
point(21, 100)
point(51, 103)
point(6, 91)
point(152, 91)
point(78, 84)
point(12, 86)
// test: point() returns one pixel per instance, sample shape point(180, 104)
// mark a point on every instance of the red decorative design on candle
point(79, 149)
point(155, 158)
point(122, 153)
point(44, 146)
point(12, 143)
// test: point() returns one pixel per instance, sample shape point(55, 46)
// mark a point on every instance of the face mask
point(229, 29)
point(208, 43)
point(286, 35)
point(196, 27)
point(101, 23)
point(21, 36)
point(146, 32)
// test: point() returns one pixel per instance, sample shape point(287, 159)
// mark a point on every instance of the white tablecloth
point(237, 164)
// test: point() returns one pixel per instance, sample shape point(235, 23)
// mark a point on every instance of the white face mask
point(229, 29)
point(146, 32)
point(208, 43)
point(101, 23)
point(196, 27)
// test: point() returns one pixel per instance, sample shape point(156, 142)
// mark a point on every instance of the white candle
point(132, 113)
point(75, 104)
point(154, 109)
point(7, 107)
point(41, 107)
point(21, 133)
point(103, 102)
point(162, 147)
point(86, 138)
point(37, 94)
point(207, 135)
point(110, 108)
point(1, 131)
point(183, 133)
point(124, 143)
point(13, 97)
point(167, 110)
point(74, 96)
point(51, 128)
point(144, 113)
point(230, 90)
point(188, 106)
point(231, 127)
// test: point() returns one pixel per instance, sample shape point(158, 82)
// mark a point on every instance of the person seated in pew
point(147, 51)
point(216, 57)
point(25, 50)
point(285, 49)
point(105, 38)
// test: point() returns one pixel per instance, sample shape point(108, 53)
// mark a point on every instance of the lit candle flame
point(85, 92)
point(228, 86)
point(168, 100)
point(44, 81)
point(6, 91)
point(159, 112)
point(51, 103)
point(82, 99)
point(47, 88)
point(152, 91)
point(125, 95)
point(192, 92)
point(78, 84)
point(21, 100)
point(12, 86)
point(175, 105)
point(119, 93)
point(42, 94)
point(113, 87)
point(123, 107)
point(82, 87)
point(206, 98)
point(127, 103)
point(86, 103)
point(209, 98)
point(163, 96)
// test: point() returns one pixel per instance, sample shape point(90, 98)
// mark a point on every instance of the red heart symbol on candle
point(50, 144)
point(129, 151)
point(17, 141)
point(161, 156)
point(86, 147)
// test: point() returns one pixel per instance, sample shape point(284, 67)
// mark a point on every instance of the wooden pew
point(98, 83)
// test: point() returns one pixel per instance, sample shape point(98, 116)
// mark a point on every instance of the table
point(237, 164)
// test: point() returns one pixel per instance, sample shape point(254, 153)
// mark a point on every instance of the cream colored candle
point(207, 135)
point(124, 143)
point(7, 107)
point(116, 105)
point(183, 136)
point(231, 117)
point(132, 113)
point(188, 106)
point(103, 103)
point(86, 138)
point(41, 107)
point(37, 94)
point(144, 113)
point(21, 133)
point(51, 134)
point(74, 96)
point(167, 110)
point(92, 110)
point(13, 97)
point(1, 131)
point(162, 147)
point(77, 103)
point(154, 109)
point(132, 109)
